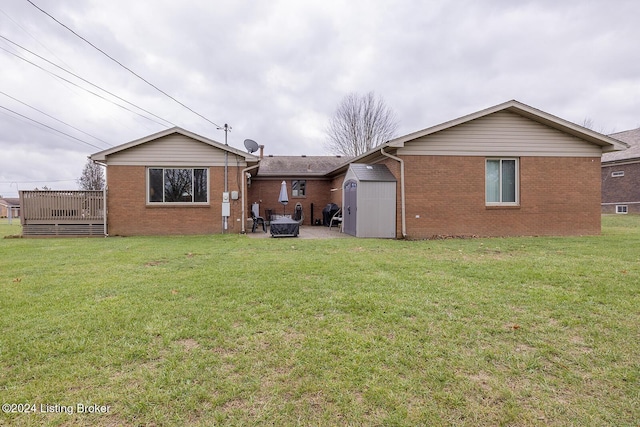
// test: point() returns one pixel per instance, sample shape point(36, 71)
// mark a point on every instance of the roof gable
point(502, 133)
point(607, 143)
point(147, 142)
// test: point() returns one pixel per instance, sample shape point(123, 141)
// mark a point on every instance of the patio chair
point(257, 220)
point(336, 219)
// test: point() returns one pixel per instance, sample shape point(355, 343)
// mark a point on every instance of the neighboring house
point(508, 170)
point(621, 176)
point(9, 207)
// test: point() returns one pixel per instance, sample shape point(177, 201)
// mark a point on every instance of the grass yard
point(227, 330)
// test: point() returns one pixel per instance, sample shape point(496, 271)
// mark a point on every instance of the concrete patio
point(306, 232)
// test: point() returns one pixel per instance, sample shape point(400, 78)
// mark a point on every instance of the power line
point(85, 80)
point(32, 36)
point(58, 120)
point(122, 65)
point(49, 127)
point(85, 89)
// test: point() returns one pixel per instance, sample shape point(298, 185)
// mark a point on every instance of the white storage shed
point(369, 201)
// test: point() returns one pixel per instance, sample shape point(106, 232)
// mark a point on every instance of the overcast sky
point(275, 71)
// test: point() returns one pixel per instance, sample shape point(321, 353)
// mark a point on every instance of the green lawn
point(227, 330)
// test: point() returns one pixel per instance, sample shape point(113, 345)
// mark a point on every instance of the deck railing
point(62, 207)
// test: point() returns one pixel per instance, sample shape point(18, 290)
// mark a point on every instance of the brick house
point(621, 176)
point(508, 170)
point(9, 207)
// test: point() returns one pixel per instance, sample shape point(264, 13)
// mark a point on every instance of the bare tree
point(587, 122)
point(359, 124)
point(92, 177)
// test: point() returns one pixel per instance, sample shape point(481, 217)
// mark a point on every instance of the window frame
point(617, 174)
point(149, 202)
point(622, 209)
point(304, 188)
point(516, 201)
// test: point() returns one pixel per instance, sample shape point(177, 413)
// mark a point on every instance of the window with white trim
point(621, 209)
point(177, 185)
point(617, 174)
point(501, 178)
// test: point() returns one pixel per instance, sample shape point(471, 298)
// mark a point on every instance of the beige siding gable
point(501, 134)
point(173, 150)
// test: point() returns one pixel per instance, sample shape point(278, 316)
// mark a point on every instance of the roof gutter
point(402, 197)
point(244, 191)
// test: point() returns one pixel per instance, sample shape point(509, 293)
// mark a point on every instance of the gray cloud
point(275, 71)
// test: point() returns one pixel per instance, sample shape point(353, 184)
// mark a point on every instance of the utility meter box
point(226, 209)
point(225, 197)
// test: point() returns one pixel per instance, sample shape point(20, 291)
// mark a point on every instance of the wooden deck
point(63, 213)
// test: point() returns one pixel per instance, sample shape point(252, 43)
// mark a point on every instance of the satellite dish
point(251, 145)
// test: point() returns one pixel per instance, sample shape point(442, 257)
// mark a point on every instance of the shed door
point(350, 207)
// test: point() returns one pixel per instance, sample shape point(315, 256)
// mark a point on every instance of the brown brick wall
point(624, 190)
point(266, 192)
point(336, 186)
point(445, 195)
point(129, 214)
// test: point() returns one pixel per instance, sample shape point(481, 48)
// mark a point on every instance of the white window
point(621, 209)
point(617, 174)
point(185, 185)
point(502, 182)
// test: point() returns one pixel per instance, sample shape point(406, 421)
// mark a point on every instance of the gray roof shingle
point(299, 165)
point(631, 137)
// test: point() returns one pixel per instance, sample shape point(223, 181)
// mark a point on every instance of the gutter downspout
point(104, 196)
point(104, 208)
point(402, 197)
point(244, 190)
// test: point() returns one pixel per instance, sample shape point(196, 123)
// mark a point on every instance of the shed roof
point(377, 173)
point(299, 165)
point(632, 139)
